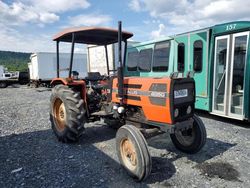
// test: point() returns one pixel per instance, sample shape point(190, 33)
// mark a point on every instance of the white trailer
point(43, 66)
point(97, 57)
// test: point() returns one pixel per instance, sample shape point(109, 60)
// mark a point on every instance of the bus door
point(198, 62)
point(229, 74)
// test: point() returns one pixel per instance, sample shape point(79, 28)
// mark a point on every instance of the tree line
point(15, 61)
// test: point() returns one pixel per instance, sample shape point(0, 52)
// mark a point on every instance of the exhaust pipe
point(120, 67)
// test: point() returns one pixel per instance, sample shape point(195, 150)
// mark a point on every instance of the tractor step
point(101, 113)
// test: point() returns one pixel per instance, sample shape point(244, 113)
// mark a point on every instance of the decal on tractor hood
point(157, 94)
point(180, 93)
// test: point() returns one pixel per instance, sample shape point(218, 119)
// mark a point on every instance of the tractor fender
point(57, 81)
point(80, 85)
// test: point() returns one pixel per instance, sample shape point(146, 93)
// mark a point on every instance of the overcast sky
point(29, 25)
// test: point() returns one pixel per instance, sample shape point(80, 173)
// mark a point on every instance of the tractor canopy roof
point(91, 35)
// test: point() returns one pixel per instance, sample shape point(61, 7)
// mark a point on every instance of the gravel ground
point(31, 156)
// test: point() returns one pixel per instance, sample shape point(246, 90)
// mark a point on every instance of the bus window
point(161, 56)
point(198, 50)
point(145, 59)
point(181, 57)
point(132, 61)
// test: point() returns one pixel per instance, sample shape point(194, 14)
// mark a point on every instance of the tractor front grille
point(183, 98)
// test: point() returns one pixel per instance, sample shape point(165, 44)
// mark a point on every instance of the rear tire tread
point(75, 113)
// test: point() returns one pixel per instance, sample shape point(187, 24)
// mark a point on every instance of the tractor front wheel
point(133, 152)
point(192, 140)
point(67, 113)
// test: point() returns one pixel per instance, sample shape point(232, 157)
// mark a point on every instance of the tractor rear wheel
point(192, 140)
point(67, 113)
point(132, 151)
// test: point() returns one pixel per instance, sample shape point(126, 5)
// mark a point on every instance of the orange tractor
point(140, 107)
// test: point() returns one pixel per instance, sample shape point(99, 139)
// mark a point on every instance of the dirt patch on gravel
point(220, 170)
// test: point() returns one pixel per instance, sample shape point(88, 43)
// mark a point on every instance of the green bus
point(218, 57)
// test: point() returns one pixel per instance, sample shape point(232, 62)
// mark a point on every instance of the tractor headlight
point(120, 109)
point(189, 109)
point(176, 112)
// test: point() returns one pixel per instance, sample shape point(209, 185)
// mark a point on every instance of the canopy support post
point(107, 59)
point(72, 54)
point(57, 59)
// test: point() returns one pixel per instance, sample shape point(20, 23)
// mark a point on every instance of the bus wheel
point(3, 85)
point(67, 113)
point(192, 140)
point(133, 152)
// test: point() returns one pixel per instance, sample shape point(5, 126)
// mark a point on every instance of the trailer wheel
point(133, 152)
point(67, 113)
point(192, 140)
point(3, 85)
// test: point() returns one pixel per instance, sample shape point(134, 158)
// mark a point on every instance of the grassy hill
point(14, 61)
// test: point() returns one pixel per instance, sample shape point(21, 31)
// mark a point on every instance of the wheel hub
point(186, 137)
point(128, 154)
point(59, 114)
point(62, 112)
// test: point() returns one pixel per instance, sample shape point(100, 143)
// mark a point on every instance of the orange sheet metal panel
point(152, 94)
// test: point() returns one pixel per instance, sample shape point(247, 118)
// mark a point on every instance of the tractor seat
point(93, 76)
